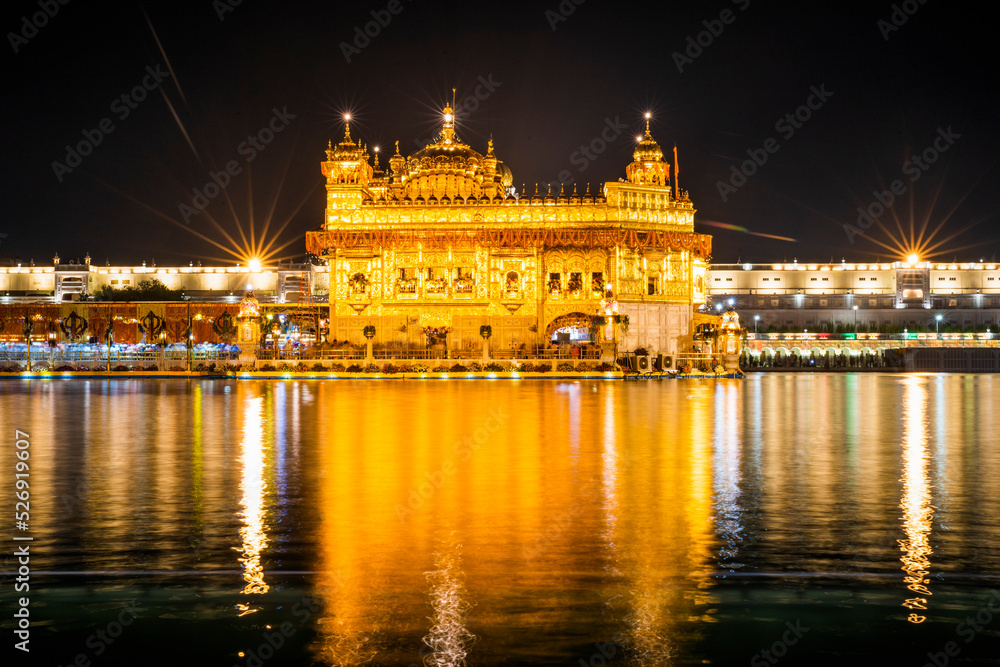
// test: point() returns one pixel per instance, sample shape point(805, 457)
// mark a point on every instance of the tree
point(146, 290)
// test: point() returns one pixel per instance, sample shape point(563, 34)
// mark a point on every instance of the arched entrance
point(577, 325)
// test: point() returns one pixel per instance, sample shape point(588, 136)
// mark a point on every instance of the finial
point(489, 146)
point(588, 188)
point(536, 189)
point(550, 191)
point(648, 116)
point(560, 189)
point(347, 127)
point(397, 149)
point(574, 187)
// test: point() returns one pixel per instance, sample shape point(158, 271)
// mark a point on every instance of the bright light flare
point(912, 258)
point(254, 265)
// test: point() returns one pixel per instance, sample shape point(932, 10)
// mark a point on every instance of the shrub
point(355, 368)
point(419, 368)
point(476, 367)
point(318, 367)
point(459, 368)
point(121, 367)
point(267, 367)
point(233, 368)
point(173, 368)
point(584, 366)
point(390, 369)
point(641, 351)
point(605, 366)
point(301, 367)
point(440, 369)
point(494, 367)
point(65, 367)
point(686, 369)
point(154, 367)
point(285, 368)
point(565, 366)
point(10, 368)
point(81, 368)
point(337, 367)
point(372, 368)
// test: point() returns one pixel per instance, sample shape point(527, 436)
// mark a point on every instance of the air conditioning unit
point(643, 364)
point(667, 362)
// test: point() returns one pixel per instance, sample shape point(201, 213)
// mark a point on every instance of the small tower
point(648, 167)
point(348, 174)
point(248, 323)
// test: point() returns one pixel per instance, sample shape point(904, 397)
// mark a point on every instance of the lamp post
point(486, 331)
point(369, 332)
point(756, 319)
point(110, 335)
point(937, 325)
point(855, 319)
point(163, 351)
point(189, 341)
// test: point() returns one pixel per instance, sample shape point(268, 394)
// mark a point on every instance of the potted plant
point(358, 283)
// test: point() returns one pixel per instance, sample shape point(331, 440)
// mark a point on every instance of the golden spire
point(448, 129)
point(347, 128)
point(648, 167)
point(489, 147)
point(397, 149)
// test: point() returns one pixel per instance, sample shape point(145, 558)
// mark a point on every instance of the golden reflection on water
point(918, 513)
point(618, 513)
point(252, 502)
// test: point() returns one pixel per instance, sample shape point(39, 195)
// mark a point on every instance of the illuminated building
point(442, 240)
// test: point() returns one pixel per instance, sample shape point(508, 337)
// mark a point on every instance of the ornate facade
point(442, 240)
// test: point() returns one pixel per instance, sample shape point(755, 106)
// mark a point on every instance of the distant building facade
point(804, 296)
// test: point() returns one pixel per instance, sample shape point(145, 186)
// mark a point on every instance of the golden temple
point(443, 240)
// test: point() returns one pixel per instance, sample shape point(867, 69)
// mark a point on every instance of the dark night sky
point(553, 91)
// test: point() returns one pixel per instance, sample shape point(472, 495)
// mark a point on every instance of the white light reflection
point(918, 513)
point(448, 639)
point(253, 487)
point(727, 458)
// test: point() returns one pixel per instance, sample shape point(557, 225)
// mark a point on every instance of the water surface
point(824, 519)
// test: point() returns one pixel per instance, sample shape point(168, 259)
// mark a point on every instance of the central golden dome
point(450, 168)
